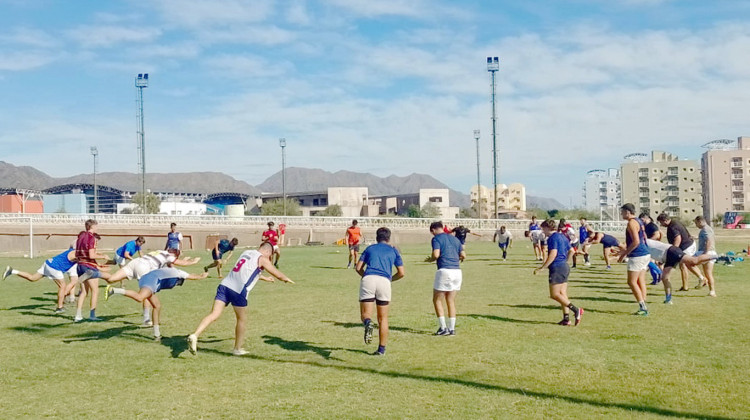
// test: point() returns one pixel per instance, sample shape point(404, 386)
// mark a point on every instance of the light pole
point(141, 82)
point(95, 154)
point(493, 65)
point(479, 184)
point(282, 143)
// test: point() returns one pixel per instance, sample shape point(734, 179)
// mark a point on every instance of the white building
point(173, 208)
point(510, 198)
point(602, 191)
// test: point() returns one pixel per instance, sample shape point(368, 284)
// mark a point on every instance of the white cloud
point(199, 13)
point(25, 60)
point(268, 35)
point(297, 13)
point(31, 37)
point(245, 66)
point(102, 36)
point(418, 9)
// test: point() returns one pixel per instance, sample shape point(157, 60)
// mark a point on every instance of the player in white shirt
point(504, 239)
point(235, 288)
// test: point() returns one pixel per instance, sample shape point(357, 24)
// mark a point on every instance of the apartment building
point(726, 178)
point(510, 198)
point(602, 191)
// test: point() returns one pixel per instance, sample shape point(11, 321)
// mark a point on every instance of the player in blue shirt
point(375, 286)
point(637, 252)
point(54, 269)
point(222, 247)
point(448, 252)
point(152, 283)
point(557, 263)
point(126, 253)
point(583, 234)
point(174, 238)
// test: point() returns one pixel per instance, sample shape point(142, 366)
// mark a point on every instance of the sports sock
point(586, 257)
point(14, 271)
point(78, 313)
point(572, 307)
point(505, 254)
point(381, 349)
point(566, 317)
point(452, 323)
point(118, 291)
point(441, 322)
point(642, 305)
point(157, 333)
point(92, 313)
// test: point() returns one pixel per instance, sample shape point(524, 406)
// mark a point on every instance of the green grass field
point(307, 358)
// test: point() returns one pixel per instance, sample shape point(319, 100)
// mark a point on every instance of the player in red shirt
point(353, 235)
point(272, 237)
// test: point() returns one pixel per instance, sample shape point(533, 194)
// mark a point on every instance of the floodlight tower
point(493, 65)
point(141, 82)
point(95, 154)
point(479, 184)
point(282, 144)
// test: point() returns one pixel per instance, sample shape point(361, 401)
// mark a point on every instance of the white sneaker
point(148, 323)
point(192, 343)
point(8, 271)
point(239, 352)
point(78, 319)
point(712, 293)
point(587, 263)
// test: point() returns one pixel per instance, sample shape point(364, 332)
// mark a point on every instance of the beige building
point(663, 184)
point(726, 177)
point(510, 198)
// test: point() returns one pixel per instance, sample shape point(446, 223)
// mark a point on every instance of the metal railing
point(297, 222)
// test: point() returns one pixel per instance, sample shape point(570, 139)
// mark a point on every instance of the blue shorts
point(229, 296)
point(503, 245)
point(150, 281)
point(85, 272)
point(558, 274)
point(216, 256)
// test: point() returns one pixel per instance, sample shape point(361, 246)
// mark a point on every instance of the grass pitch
point(307, 358)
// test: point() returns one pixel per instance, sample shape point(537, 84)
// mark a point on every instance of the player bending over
point(504, 240)
point(222, 247)
point(126, 253)
point(234, 290)
point(609, 243)
point(150, 284)
point(54, 269)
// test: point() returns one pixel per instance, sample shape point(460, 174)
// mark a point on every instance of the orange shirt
point(354, 235)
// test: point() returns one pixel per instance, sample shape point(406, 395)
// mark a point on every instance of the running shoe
point(368, 332)
point(192, 343)
point(682, 289)
point(609, 267)
point(587, 263)
point(641, 312)
point(712, 293)
point(107, 292)
point(148, 323)
point(441, 331)
point(8, 271)
point(578, 316)
point(564, 322)
point(451, 333)
point(95, 319)
point(668, 300)
point(78, 319)
point(239, 352)
point(59, 310)
point(701, 284)
point(379, 353)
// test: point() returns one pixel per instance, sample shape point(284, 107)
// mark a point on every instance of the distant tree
point(332, 210)
point(413, 211)
point(718, 220)
point(152, 203)
point(276, 207)
point(552, 214)
point(467, 213)
point(539, 213)
point(430, 211)
point(126, 210)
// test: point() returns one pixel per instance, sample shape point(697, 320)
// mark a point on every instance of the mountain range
point(297, 180)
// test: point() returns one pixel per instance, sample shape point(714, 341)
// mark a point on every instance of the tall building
point(726, 177)
point(510, 198)
point(602, 191)
point(663, 184)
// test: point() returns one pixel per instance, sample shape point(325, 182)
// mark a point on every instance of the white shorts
point(639, 263)
point(121, 261)
point(691, 249)
point(137, 268)
point(713, 254)
point(55, 274)
point(275, 248)
point(448, 280)
point(375, 287)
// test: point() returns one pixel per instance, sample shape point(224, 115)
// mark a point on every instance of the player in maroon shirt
point(88, 269)
point(272, 237)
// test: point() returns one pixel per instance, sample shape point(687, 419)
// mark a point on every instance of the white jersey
point(245, 273)
point(658, 249)
point(158, 259)
point(537, 235)
point(503, 237)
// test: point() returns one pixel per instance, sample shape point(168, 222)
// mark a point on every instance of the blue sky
point(387, 87)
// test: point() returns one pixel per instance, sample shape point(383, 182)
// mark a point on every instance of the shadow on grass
point(515, 265)
point(100, 335)
point(390, 327)
point(25, 307)
point(303, 346)
point(557, 308)
point(504, 319)
point(603, 299)
point(628, 407)
point(327, 267)
point(37, 327)
point(44, 299)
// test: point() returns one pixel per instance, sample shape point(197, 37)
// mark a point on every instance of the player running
point(504, 239)
point(583, 233)
point(126, 253)
point(271, 235)
point(352, 237)
point(678, 236)
point(707, 246)
point(54, 269)
point(234, 289)
point(557, 263)
point(375, 286)
point(222, 247)
point(609, 243)
point(448, 252)
point(174, 238)
point(636, 250)
point(149, 285)
point(461, 232)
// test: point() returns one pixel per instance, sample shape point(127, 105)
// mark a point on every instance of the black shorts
point(674, 256)
point(354, 247)
point(215, 256)
point(558, 274)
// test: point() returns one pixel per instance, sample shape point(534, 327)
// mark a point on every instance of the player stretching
point(126, 253)
point(352, 236)
point(223, 246)
point(652, 232)
point(636, 250)
point(557, 263)
point(152, 283)
point(375, 286)
point(234, 289)
point(504, 240)
point(570, 233)
point(583, 234)
point(707, 246)
point(609, 243)
point(54, 269)
point(174, 238)
point(678, 236)
point(88, 269)
point(271, 235)
point(448, 252)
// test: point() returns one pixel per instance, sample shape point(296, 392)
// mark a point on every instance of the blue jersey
point(559, 242)
point(173, 240)
point(534, 226)
point(609, 241)
point(583, 234)
point(61, 262)
point(225, 246)
point(450, 248)
point(131, 247)
point(163, 278)
point(642, 248)
point(380, 259)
